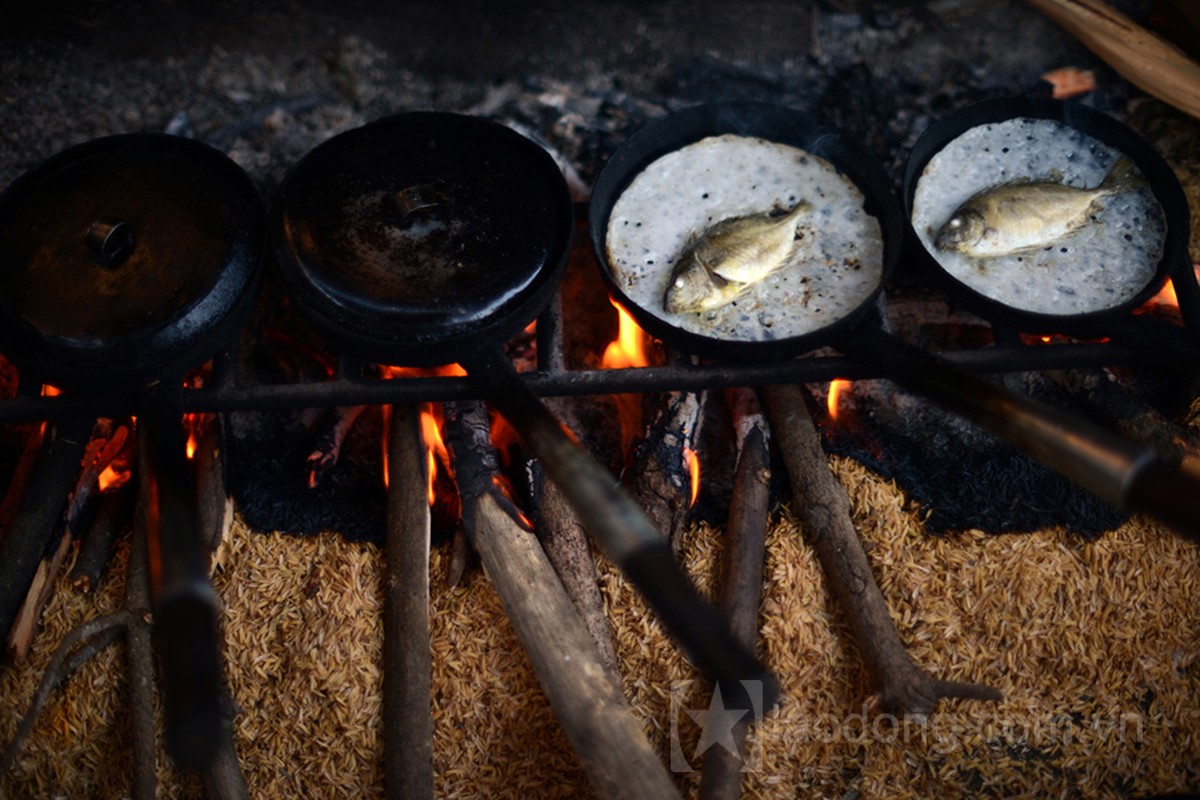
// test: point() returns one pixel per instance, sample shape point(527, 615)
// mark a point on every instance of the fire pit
point(1047, 618)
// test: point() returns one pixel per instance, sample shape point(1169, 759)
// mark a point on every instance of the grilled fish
point(724, 260)
point(1023, 216)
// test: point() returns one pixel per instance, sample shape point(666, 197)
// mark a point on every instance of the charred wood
point(95, 549)
point(569, 551)
point(407, 654)
point(823, 508)
point(21, 551)
point(742, 572)
point(660, 479)
point(462, 556)
point(589, 704)
point(329, 434)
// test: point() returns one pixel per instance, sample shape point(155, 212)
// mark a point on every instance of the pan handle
point(184, 604)
point(629, 539)
point(1129, 476)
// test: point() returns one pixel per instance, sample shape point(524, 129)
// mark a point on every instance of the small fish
point(1023, 216)
point(724, 260)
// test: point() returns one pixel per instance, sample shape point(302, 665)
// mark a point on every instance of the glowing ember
point(113, 478)
point(693, 465)
point(836, 387)
point(50, 391)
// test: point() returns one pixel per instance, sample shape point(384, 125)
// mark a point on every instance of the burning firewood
point(106, 444)
point(662, 479)
point(26, 541)
point(901, 687)
point(112, 514)
point(590, 705)
point(742, 573)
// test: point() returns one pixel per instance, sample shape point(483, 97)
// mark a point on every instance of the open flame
point(837, 387)
point(436, 452)
point(627, 350)
point(113, 478)
point(692, 459)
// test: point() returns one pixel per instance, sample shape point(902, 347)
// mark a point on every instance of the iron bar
point(379, 391)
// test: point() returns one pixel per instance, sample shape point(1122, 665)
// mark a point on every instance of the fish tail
point(1123, 177)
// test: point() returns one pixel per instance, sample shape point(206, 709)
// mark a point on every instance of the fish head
point(689, 289)
point(964, 229)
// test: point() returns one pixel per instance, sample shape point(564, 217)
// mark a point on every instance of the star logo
point(717, 725)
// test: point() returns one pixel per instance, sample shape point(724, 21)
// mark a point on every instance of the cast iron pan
point(430, 238)
point(125, 262)
point(125, 258)
point(1123, 474)
point(1174, 262)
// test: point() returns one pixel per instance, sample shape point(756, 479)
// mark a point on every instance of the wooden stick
point(21, 551)
point(590, 705)
point(567, 547)
point(407, 653)
point(214, 504)
point(95, 549)
point(1152, 64)
point(742, 579)
point(660, 480)
point(823, 507)
point(139, 646)
point(90, 638)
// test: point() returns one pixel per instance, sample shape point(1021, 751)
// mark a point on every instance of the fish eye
point(956, 222)
point(679, 283)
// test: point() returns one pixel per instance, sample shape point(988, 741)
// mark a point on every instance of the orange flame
point(693, 465)
point(629, 348)
point(50, 391)
point(837, 387)
point(431, 423)
point(1166, 296)
point(435, 447)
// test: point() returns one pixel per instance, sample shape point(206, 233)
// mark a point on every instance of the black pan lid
point(123, 258)
point(421, 233)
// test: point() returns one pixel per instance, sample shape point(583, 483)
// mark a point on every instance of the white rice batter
point(1105, 264)
point(836, 264)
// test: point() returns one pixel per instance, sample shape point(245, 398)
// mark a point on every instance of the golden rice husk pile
point(1095, 645)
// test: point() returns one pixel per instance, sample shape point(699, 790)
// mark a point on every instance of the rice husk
point(1093, 643)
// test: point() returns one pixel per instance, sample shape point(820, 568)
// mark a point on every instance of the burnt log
point(113, 509)
point(821, 504)
point(660, 480)
point(590, 705)
point(24, 544)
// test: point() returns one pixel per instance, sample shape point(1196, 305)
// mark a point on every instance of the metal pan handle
point(1128, 476)
point(628, 537)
